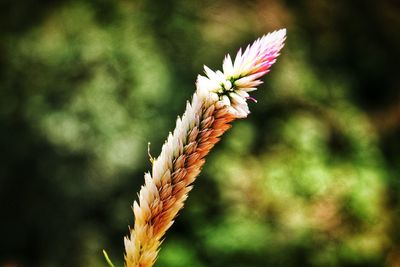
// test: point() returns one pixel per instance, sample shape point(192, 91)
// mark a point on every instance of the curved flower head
point(240, 76)
point(220, 98)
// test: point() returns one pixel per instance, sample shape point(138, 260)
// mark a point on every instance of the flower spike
point(220, 98)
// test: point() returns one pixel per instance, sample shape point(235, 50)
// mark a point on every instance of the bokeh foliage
point(311, 178)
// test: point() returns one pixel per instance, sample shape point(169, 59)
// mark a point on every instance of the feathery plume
point(220, 98)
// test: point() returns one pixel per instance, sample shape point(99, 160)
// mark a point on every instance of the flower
point(230, 87)
point(220, 98)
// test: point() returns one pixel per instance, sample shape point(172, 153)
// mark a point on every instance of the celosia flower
point(220, 98)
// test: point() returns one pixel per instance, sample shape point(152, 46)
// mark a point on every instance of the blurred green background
point(310, 178)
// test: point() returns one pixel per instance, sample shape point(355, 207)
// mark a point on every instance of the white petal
point(225, 100)
point(227, 84)
point(238, 60)
point(242, 93)
point(248, 89)
point(227, 66)
point(243, 110)
point(210, 73)
point(233, 111)
point(237, 99)
point(214, 97)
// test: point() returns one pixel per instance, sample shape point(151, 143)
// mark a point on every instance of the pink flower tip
point(242, 75)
